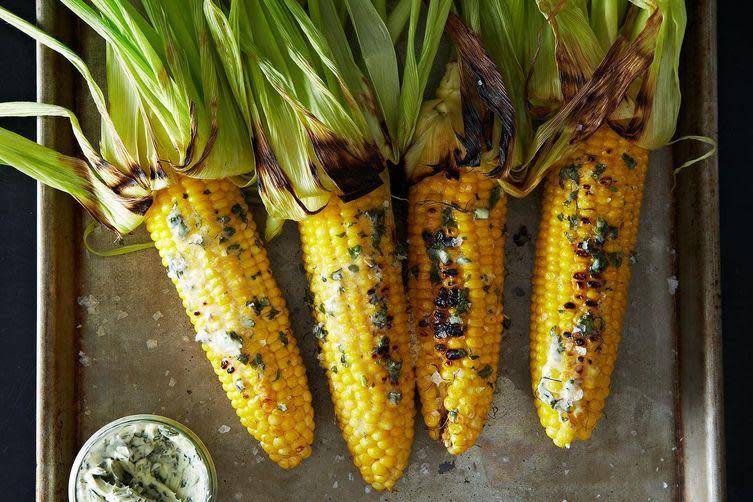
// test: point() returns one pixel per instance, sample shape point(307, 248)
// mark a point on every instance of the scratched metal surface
point(134, 353)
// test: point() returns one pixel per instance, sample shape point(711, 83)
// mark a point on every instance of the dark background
point(18, 251)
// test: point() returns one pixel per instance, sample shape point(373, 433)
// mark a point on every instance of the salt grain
point(151, 344)
point(224, 429)
point(436, 378)
point(90, 302)
point(335, 485)
point(101, 330)
point(120, 314)
point(672, 284)
point(84, 359)
point(157, 316)
point(172, 382)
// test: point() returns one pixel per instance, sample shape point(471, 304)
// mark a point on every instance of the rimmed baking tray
point(113, 340)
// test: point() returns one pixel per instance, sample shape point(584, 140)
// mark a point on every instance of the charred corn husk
point(359, 303)
point(210, 247)
point(455, 281)
point(587, 237)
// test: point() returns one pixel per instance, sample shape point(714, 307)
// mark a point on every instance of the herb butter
point(140, 460)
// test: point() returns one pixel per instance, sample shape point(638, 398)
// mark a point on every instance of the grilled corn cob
point(359, 303)
point(455, 281)
point(588, 231)
point(209, 245)
point(455, 272)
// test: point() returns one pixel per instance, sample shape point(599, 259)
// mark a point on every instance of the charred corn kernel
point(359, 303)
point(586, 241)
point(455, 281)
point(208, 242)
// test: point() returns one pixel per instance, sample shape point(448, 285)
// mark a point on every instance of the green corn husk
point(166, 99)
point(322, 92)
point(588, 63)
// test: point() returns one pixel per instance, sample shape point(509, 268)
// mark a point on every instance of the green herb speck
point(448, 218)
point(394, 396)
point(485, 371)
point(355, 251)
point(629, 161)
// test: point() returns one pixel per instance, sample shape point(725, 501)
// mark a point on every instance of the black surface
point(17, 261)
point(736, 194)
point(17, 275)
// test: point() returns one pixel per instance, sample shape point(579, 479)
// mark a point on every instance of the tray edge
point(56, 346)
point(699, 296)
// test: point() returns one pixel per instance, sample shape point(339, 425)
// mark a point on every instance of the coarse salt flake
point(672, 284)
point(90, 302)
point(436, 378)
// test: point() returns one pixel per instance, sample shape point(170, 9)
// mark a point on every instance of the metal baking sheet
point(113, 340)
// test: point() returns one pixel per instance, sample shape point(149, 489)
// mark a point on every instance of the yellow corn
point(588, 232)
point(209, 244)
point(455, 281)
point(359, 303)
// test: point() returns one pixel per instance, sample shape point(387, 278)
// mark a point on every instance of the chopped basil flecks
point(355, 251)
point(629, 161)
point(241, 213)
point(176, 223)
point(598, 171)
point(258, 362)
point(377, 218)
point(448, 218)
point(569, 173)
point(464, 304)
point(393, 368)
point(258, 304)
point(495, 196)
point(394, 396)
point(319, 332)
point(485, 371)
